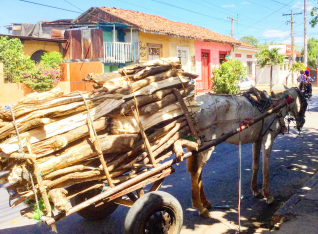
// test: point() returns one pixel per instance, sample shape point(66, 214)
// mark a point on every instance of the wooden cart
point(154, 212)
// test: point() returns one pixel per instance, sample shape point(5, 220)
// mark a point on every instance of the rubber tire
point(91, 212)
point(145, 206)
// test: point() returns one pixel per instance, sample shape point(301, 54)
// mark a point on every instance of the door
point(183, 55)
point(205, 69)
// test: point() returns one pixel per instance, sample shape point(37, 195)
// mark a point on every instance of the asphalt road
point(294, 160)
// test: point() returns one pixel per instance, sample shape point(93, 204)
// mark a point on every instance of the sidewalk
point(300, 213)
point(278, 87)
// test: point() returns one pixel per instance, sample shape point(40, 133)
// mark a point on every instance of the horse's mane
point(303, 100)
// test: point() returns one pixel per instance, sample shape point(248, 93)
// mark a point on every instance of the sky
point(263, 20)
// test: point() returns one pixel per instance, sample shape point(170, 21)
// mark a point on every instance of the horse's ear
point(273, 94)
point(286, 88)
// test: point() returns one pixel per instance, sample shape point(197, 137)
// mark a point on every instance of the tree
point(250, 40)
point(15, 62)
point(312, 53)
point(271, 58)
point(225, 79)
point(314, 20)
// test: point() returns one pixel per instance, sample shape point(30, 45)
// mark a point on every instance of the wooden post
point(187, 115)
point(144, 136)
point(42, 189)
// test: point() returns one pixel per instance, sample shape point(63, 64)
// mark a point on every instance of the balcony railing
point(119, 52)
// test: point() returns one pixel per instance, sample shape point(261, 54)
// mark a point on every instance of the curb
point(284, 212)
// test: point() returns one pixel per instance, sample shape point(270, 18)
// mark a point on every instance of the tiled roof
point(153, 23)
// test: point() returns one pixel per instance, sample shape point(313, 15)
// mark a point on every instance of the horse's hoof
point(257, 194)
point(269, 200)
point(207, 205)
point(205, 213)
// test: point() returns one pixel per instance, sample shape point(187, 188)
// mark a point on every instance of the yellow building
point(35, 47)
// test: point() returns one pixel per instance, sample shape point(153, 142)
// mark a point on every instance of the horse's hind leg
point(195, 168)
point(256, 154)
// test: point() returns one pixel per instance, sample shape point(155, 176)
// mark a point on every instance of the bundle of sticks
point(48, 141)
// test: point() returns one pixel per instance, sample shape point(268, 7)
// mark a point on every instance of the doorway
point(205, 69)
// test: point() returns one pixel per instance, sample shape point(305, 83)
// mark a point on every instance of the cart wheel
point(154, 213)
point(95, 211)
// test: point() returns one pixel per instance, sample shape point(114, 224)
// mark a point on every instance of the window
point(249, 67)
point(249, 56)
point(183, 55)
point(238, 55)
point(154, 51)
point(36, 56)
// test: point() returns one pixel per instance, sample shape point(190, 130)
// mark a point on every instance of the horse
point(221, 114)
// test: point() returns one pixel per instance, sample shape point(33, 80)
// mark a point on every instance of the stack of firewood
point(55, 147)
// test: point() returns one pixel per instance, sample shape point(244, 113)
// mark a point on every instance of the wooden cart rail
point(155, 174)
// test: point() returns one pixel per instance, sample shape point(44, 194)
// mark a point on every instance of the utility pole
point(232, 19)
point(292, 32)
point(305, 33)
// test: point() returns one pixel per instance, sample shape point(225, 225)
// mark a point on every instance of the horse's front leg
point(267, 148)
point(256, 153)
point(194, 166)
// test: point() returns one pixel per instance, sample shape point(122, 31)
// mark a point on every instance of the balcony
point(119, 52)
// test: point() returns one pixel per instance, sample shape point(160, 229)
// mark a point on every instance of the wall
point(19, 90)
point(244, 59)
point(175, 42)
point(214, 48)
point(145, 38)
point(279, 75)
point(32, 46)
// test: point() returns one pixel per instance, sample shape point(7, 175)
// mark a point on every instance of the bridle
point(300, 116)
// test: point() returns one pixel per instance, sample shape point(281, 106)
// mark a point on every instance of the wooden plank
point(97, 43)
point(76, 44)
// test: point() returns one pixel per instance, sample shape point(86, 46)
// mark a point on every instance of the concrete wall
point(175, 42)
point(279, 75)
point(11, 93)
point(214, 49)
point(145, 38)
point(32, 46)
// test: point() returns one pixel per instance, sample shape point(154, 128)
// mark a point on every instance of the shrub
point(225, 79)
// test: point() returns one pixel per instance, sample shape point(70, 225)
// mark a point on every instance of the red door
point(205, 72)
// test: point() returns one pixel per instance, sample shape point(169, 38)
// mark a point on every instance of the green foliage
point(250, 40)
point(36, 215)
point(225, 79)
point(40, 78)
point(13, 58)
point(314, 14)
point(312, 53)
point(51, 60)
point(269, 57)
point(298, 66)
point(20, 68)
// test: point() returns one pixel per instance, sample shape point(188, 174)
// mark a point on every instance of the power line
point(266, 16)
point(73, 5)
point(49, 6)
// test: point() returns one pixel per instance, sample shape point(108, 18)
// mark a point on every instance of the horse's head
point(298, 107)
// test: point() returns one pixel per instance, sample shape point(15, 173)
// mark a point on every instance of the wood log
point(127, 124)
point(27, 212)
point(167, 100)
point(140, 101)
point(61, 141)
point(33, 123)
point(61, 126)
point(102, 78)
point(188, 74)
point(131, 69)
point(152, 70)
point(67, 170)
point(178, 150)
point(84, 150)
point(33, 98)
point(58, 198)
point(2, 123)
point(155, 86)
point(117, 83)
